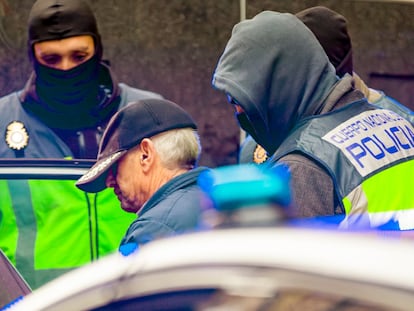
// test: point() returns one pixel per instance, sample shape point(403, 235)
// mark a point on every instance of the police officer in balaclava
point(71, 93)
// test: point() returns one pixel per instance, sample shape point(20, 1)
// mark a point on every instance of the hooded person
point(71, 93)
point(61, 113)
point(339, 148)
point(331, 30)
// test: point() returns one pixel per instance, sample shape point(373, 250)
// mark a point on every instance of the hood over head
point(60, 19)
point(277, 71)
point(330, 28)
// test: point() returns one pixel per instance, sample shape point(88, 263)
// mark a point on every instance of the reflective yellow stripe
point(74, 228)
point(113, 222)
point(386, 196)
point(347, 205)
point(8, 226)
point(62, 224)
point(391, 189)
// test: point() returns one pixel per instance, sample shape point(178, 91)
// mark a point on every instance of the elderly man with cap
point(61, 113)
point(149, 154)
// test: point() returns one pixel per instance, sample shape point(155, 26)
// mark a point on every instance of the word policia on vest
point(367, 138)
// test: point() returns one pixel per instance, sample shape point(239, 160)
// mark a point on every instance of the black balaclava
point(330, 28)
point(67, 99)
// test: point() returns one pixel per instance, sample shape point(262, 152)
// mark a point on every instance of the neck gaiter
point(69, 91)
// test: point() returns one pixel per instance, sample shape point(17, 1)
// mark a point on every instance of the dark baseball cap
point(126, 129)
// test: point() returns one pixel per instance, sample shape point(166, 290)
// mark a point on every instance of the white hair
point(178, 147)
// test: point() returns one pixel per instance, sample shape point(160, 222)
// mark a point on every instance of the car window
point(174, 300)
point(217, 300)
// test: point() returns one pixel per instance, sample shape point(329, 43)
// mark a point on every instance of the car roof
point(370, 259)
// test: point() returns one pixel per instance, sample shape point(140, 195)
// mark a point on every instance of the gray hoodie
point(276, 70)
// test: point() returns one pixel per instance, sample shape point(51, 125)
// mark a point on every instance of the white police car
point(253, 265)
point(242, 269)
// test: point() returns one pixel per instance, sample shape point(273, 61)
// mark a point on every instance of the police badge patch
point(260, 155)
point(17, 137)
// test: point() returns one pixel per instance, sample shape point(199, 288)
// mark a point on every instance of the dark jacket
point(174, 208)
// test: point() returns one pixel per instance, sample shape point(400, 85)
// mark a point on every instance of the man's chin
point(129, 209)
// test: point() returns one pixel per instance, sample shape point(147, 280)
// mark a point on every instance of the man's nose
point(66, 64)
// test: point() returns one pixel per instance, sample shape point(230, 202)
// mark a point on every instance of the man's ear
point(148, 153)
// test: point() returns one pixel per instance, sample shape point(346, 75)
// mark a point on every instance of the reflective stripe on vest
point(369, 204)
point(8, 226)
point(26, 224)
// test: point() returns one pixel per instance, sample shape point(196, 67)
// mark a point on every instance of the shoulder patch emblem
point(259, 155)
point(17, 137)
